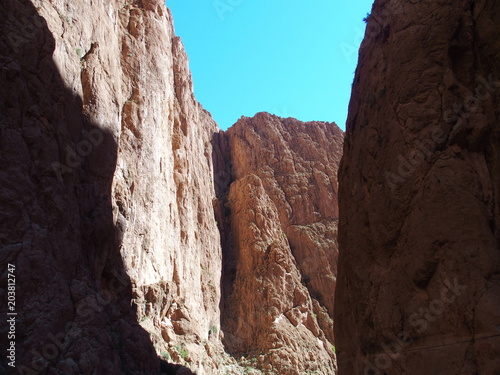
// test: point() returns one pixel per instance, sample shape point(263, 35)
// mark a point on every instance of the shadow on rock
point(57, 234)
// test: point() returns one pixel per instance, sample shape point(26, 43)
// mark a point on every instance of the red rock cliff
point(418, 288)
point(280, 231)
point(106, 190)
point(110, 173)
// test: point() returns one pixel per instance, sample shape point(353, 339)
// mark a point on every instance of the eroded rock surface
point(282, 213)
point(106, 190)
point(418, 288)
point(110, 176)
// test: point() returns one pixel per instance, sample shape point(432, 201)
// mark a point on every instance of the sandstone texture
point(106, 190)
point(282, 214)
point(418, 288)
point(140, 234)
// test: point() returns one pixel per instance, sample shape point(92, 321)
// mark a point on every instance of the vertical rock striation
point(418, 285)
point(282, 214)
point(59, 152)
point(106, 189)
point(111, 179)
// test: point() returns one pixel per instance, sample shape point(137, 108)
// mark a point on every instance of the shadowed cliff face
point(58, 228)
point(418, 288)
point(110, 174)
point(57, 231)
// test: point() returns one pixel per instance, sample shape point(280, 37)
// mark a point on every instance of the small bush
point(213, 330)
point(182, 351)
point(165, 356)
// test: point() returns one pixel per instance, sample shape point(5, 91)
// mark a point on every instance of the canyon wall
point(280, 227)
point(106, 189)
point(418, 288)
point(141, 235)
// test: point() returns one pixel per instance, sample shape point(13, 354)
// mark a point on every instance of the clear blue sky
point(292, 58)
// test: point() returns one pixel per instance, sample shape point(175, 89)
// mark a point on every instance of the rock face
point(418, 287)
point(59, 151)
point(106, 190)
point(297, 163)
point(280, 227)
point(110, 176)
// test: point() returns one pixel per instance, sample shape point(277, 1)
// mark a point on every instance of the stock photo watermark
point(86, 311)
point(419, 321)
point(27, 28)
point(283, 112)
point(350, 50)
point(375, 24)
point(224, 6)
point(423, 149)
point(75, 156)
point(11, 315)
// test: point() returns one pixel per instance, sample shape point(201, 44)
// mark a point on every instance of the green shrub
point(165, 356)
point(213, 330)
point(182, 351)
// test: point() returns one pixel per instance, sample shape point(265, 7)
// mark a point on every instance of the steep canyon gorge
point(141, 234)
point(145, 240)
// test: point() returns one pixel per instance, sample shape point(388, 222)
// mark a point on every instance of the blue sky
point(292, 58)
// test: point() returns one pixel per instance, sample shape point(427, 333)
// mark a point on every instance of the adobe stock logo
point(283, 112)
point(423, 149)
point(26, 29)
point(419, 321)
point(54, 345)
point(375, 25)
point(224, 6)
point(75, 156)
